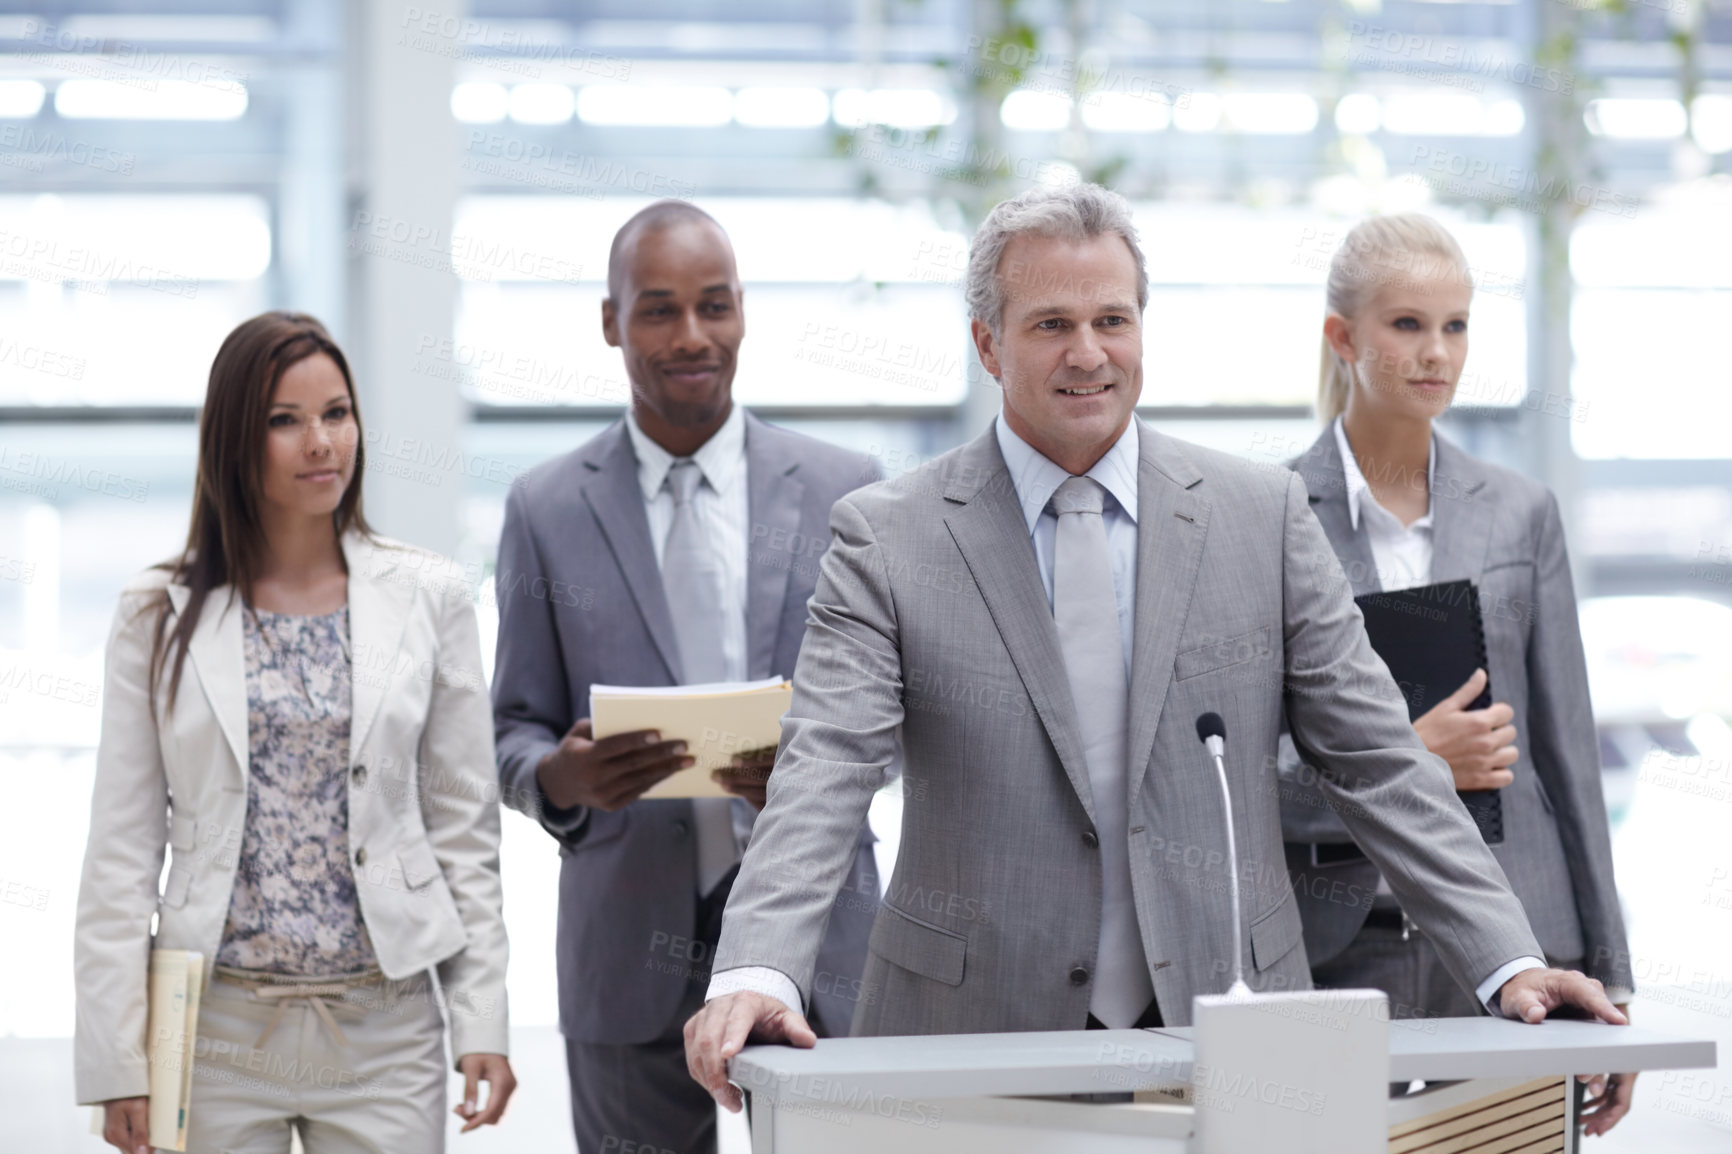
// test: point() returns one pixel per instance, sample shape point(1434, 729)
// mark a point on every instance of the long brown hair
point(225, 544)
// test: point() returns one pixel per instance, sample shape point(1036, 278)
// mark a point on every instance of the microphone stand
point(1217, 744)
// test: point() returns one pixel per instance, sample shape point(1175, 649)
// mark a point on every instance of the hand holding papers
point(606, 774)
point(717, 721)
point(748, 776)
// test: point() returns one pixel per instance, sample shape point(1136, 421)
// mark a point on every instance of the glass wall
point(167, 170)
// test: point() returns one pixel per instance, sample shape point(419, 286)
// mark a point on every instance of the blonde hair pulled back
point(1403, 247)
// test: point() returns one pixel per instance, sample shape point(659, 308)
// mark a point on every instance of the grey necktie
point(1086, 612)
point(692, 577)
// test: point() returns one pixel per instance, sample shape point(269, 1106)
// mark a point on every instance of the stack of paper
point(717, 721)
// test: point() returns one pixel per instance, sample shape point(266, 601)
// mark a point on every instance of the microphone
point(1212, 732)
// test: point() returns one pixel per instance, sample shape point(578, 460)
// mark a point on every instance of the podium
point(1493, 1086)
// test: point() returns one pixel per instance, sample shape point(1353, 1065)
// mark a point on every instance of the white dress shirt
point(1402, 556)
point(1400, 553)
point(721, 502)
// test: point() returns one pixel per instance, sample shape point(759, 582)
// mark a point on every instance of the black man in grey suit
point(673, 548)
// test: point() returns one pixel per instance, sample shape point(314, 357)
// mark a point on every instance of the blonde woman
point(297, 712)
point(1403, 506)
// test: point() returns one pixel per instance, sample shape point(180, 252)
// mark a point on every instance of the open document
point(717, 721)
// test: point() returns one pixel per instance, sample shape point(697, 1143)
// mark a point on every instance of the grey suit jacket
point(930, 620)
point(1502, 531)
point(581, 602)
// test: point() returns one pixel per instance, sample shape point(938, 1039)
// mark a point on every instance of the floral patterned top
point(294, 909)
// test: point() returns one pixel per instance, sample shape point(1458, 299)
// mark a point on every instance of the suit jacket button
point(1090, 839)
point(361, 856)
point(360, 775)
point(682, 828)
point(1079, 976)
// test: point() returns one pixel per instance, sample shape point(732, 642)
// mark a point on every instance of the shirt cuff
point(758, 980)
point(1488, 989)
point(561, 822)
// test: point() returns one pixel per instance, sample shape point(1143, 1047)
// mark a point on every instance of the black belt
point(1382, 918)
point(1332, 853)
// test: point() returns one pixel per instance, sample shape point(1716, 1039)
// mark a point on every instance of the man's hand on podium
point(1532, 994)
point(723, 1027)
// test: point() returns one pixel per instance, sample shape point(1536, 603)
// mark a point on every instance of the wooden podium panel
point(1530, 1116)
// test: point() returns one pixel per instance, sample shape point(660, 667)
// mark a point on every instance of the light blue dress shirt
point(1036, 479)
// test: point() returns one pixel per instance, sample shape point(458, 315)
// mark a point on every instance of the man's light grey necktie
point(1087, 615)
point(692, 577)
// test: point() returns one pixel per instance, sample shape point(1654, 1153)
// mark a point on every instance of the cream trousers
point(381, 1090)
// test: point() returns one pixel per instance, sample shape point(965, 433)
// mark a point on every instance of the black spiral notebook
point(1433, 638)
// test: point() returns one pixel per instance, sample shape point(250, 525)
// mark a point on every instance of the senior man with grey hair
point(1042, 615)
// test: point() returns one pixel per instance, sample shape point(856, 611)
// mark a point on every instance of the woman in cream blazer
point(401, 878)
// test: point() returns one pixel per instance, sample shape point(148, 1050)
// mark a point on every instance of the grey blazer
point(1502, 531)
point(930, 621)
point(581, 602)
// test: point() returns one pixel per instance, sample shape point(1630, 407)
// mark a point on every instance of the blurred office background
point(440, 182)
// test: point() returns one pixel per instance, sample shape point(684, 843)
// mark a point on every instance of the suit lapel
point(774, 498)
point(1325, 479)
point(1460, 521)
point(378, 615)
point(218, 660)
point(1172, 523)
point(617, 502)
point(992, 536)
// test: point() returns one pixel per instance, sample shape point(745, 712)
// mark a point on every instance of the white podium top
point(1073, 1061)
point(1451, 1049)
point(965, 1065)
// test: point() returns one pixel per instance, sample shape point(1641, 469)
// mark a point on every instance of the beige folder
point(171, 1028)
point(716, 721)
point(175, 978)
